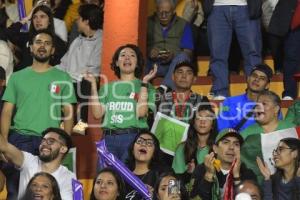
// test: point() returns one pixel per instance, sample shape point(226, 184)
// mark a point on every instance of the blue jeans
point(291, 62)
point(222, 21)
point(166, 70)
point(24, 143)
point(118, 144)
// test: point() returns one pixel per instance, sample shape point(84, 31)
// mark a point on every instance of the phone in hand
point(173, 187)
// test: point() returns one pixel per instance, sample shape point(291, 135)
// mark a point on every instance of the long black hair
point(155, 160)
point(119, 180)
point(191, 143)
point(140, 60)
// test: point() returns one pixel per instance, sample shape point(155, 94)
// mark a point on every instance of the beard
point(41, 59)
point(48, 158)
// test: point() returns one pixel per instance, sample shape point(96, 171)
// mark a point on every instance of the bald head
point(251, 188)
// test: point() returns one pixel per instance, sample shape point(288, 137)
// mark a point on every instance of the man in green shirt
point(38, 94)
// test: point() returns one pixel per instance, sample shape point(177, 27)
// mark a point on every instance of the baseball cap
point(263, 68)
point(186, 63)
point(229, 132)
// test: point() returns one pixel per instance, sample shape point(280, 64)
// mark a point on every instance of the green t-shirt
point(120, 99)
point(293, 114)
point(257, 129)
point(179, 165)
point(38, 98)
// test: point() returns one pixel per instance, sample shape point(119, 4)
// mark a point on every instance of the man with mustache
point(38, 94)
point(54, 147)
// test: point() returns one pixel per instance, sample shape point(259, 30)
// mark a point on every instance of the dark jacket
point(203, 188)
point(254, 7)
point(282, 16)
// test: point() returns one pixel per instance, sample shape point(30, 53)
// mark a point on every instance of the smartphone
point(173, 187)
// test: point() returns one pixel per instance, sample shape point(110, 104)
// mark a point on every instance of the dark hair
point(274, 97)
point(119, 180)
point(55, 187)
point(140, 60)
point(93, 14)
point(63, 135)
point(191, 143)
point(155, 160)
point(45, 9)
point(43, 31)
point(294, 145)
point(189, 64)
point(183, 193)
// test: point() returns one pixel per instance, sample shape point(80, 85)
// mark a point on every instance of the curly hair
point(140, 60)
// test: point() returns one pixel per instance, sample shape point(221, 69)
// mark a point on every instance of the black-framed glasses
point(279, 150)
point(51, 141)
point(164, 13)
point(146, 142)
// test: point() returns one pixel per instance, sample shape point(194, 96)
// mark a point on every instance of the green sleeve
point(103, 92)
point(178, 164)
point(293, 113)
point(10, 94)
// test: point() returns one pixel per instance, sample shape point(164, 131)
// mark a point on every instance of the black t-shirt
point(149, 178)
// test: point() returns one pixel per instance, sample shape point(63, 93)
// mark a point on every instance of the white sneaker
point(80, 127)
point(287, 98)
point(219, 98)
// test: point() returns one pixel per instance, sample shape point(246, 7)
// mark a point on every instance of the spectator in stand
point(201, 136)
point(39, 93)
point(108, 185)
point(144, 162)
point(250, 187)
point(285, 182)
point(293, 113)
point(182, 102)
point(123, 104)
point(52, 150)
point(59, 25)
point(74, 32)
point(60, 7)
point(2, 181)
point(162, 191)
point(284, 28)
point(237, 111)
point(224, 18)
point(84, 56)
point(208, 180)
point(40, 18)
point(44, 186)
point(169, 41)
point(266, 115)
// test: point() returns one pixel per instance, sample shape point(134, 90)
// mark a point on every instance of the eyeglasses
point(164, 14)
point(279, 150)
point(50, 141)
point(146, 142)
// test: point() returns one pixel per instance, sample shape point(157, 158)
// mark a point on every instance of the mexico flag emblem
point(54, 88)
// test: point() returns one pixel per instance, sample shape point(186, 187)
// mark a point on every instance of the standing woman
point(143, 161)
point(201, 137)
point(285, 182)
point(123, 104)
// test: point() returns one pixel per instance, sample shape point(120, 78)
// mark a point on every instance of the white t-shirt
point(230, 2)
point(32, 165)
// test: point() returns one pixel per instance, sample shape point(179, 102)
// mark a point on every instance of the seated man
point(250, 187)
point(53, 148)
point(208, 181)
point(237, 111)
point(182, 102)
point(169, 40)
